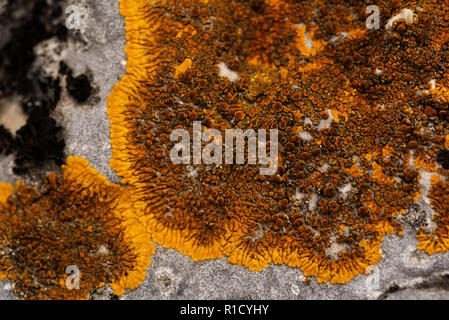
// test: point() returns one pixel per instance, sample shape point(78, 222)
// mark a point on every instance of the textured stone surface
point(403, 273)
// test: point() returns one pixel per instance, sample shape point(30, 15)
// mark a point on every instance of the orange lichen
point(76, 219)
point(369, 81)
point(6, 190)
point(438, 240)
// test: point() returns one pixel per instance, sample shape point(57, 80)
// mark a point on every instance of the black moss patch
point(6, 141)
point(443, 158)
point(25, 24)
point(38, 142)
point(78, 87)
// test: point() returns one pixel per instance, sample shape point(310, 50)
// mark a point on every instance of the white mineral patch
point(346, 190)
point(341, 36)
point(309, 42)
point(324, 167)
point(298, 197)
point(191, 171)
point(411, 160)
point(335, 248)
point(324, 124)
point(305, 136)
point(102, 250)
point(308, 121)
point(227, 73)
point(425, 184)
point(11, 115)
point(313, 201)
point(405, 14)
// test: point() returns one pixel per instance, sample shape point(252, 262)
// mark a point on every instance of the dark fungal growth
point(6, 141)
point(24, 25)
point(38, 142)
point(78, 87)
point(443, 158)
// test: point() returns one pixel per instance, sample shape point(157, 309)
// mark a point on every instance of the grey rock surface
point(403, 273)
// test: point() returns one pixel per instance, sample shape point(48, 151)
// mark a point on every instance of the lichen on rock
point(75, 219)
point(174, 77)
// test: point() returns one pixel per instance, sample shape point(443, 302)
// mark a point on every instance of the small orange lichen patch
point(183, 67)
point(370, 81)
point(441, 92)
point(6, 190)
point(304, 44)
point(78, 219)
point(438, 240)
